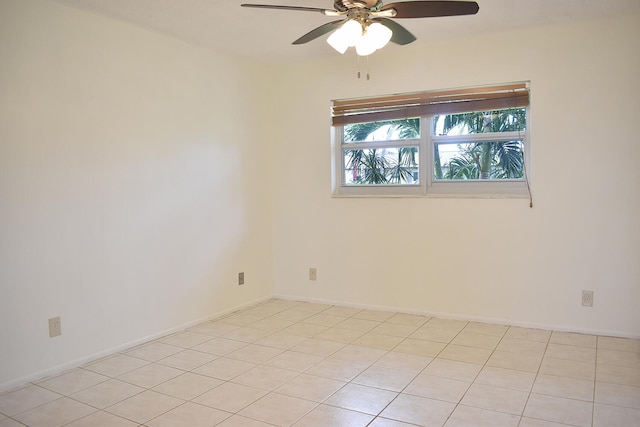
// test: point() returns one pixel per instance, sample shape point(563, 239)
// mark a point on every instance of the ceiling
point(263, 34)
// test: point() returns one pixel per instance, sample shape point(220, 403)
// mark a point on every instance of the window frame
point(428, 186)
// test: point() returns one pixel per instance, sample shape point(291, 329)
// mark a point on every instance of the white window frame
point(428, 186)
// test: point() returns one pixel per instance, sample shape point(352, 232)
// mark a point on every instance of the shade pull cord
point(368, 77)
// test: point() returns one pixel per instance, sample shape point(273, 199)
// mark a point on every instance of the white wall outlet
point(313, 274)
point(55, 327)
point(587, 298)
point(241, 278)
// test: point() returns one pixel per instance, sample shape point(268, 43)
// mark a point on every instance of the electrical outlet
point(587, 298)
point(313, 274)
point(241, 278)
point(55, 327)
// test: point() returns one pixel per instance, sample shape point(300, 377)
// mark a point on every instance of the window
point(463, 142)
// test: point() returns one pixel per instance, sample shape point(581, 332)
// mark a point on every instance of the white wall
point(132, 186)
point(495, 260)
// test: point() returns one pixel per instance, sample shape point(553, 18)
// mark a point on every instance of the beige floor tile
point(305, 330)
point(335, 369)
point(255, 353)
point(453, 369)
point(627, 359)
point(318, 347)
point(438, 388)
point(385, 422)
point(619, 344)
point(190, 414)
point(568, 368)
point(362, 325)
point(506, 378)
point(323, 416)
point(570, 388)
point(311, 307)
point(394, 329)
point(436, 334)
point(473, 339)
point(404, 361)
point(383, 342)
point(188, 386)
point(618, 375)
point(323, 319)
point(219, 346)
point(342, 311)
point(56, 413)
point(215, 329)
point(23, 399)
point(408, 319)
point(150, 375)
point(465, 354)
point(495, 399)
point(486, 329)
point(278, 409)
point(532, 422)
point(272, 325)
point(559, 410)
point(238, 421)
point(145, 406)
point(73, 381)
point(447, 323)
point(294, 361)
point(265, 377)
point(385, 378)
point(519, 362)
point(281, 340)
point(521, 346)
point(230, 397)
point(116, 365)
point(528, 334)
point(224, 368)
point(341, 335)
point(618, 394)
point(418, 410)
point(187, 360)
point(241, 319)
point(310, 387)
point(420, 347)
point(361, 398)
point(186, 339)
point(154, 351)
point(570, 338)
point(357, 353)
point(571, 352)
point(615, 416)
point(376, 315)
point(107, 393)
point(292, 315)
point(247, 334)
point(102, 419)
point(8, 422)
point(465, 416)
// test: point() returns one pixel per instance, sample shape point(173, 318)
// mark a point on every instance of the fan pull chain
point(368, 77)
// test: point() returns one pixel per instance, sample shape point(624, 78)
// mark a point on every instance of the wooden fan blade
point(317, 32)
point(298, 8)
point(400, 35)
point(431, 9)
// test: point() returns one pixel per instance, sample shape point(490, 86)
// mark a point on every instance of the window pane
point(390, 130)
point(510, 120)
point(381, 166)
point(479, 160)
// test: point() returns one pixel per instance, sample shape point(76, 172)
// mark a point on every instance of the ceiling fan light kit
point(368, 26)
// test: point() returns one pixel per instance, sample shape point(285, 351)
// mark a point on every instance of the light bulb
point(345, 36)
point(380, 34)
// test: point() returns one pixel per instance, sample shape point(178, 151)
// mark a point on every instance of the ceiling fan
point(368, 26)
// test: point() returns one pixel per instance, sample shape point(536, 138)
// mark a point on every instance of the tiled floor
point(286, 363)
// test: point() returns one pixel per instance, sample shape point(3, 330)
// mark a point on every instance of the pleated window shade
point(451, 101)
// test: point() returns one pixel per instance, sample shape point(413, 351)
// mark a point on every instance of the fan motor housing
point(344, 5)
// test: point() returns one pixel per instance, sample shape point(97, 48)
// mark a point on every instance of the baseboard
point(58, 369)
point(456, 316)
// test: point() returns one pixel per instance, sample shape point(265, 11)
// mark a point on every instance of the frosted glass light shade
point(380, 34)
point(345, 36)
